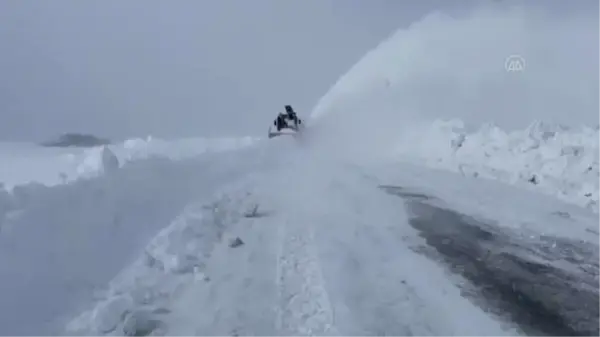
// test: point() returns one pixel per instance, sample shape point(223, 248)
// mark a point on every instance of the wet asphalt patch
point(546, 285)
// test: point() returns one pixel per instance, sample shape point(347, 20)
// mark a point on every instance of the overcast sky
point(178, 68)
point(187, 67)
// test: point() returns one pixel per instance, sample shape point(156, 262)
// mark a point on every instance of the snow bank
point(133, 149)
point(445, 67)
point(554, 159)
point(139, 297)
point(24, 164)
point(61, 245)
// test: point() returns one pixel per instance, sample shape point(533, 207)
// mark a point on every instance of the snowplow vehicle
point(286, 123)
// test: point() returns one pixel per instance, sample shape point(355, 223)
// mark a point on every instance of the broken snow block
point(236, 242)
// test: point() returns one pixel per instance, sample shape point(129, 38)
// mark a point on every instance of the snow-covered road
point(329, 246)
point(329, 257)
point(530, 259)
point(352, 228)
point(329, 249)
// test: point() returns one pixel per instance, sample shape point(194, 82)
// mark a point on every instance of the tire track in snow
point(305, 308)
point(377, 285)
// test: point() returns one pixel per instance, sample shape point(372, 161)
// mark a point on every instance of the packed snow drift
point(551, 159)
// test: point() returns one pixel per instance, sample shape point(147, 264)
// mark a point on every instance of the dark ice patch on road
point(547, 285)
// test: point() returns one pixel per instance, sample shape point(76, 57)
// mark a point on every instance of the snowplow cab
point(286, 123)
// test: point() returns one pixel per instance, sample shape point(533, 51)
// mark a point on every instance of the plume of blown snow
point(444, 67)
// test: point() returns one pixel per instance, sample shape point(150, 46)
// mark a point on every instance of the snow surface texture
point(553, 159)
point(293, 272)
point(21, 162)
point(290, 275)
point(330, 255)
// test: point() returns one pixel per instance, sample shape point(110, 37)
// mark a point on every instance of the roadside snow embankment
point(60, 245)
point(26, 163)
point(137, 299)
point(138, 148)
point(106, 158)
point(554, 159)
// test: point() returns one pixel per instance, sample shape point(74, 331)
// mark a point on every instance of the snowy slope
point(61, 244)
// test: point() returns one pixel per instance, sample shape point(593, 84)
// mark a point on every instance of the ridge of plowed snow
point(60, 245)
point(306, 309)
point(554, 159)
point(173, 259)
point(22, 161)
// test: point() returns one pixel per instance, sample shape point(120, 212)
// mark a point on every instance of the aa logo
point(514, 63)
